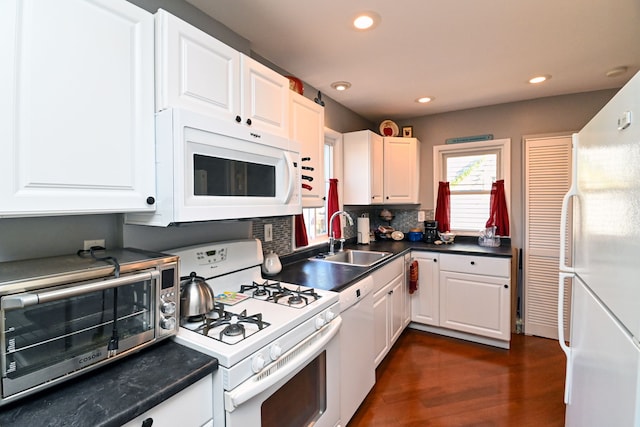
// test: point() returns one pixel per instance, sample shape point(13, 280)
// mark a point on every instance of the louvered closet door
point(547, 179)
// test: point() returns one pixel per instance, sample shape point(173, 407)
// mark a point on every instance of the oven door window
point(217, 176)
point(54, 338)
point(302, 400)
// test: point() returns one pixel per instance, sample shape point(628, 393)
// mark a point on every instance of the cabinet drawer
point(383, 276)
point(488, 266)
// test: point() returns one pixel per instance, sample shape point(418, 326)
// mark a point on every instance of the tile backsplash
point(405, 218)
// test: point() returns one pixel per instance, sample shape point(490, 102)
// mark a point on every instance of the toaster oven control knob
point(168, 323)
point(320, 322)
point(168, 307)
point(257, 363)
point(275, 351)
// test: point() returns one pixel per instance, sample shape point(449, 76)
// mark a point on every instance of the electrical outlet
point(268, 232)
point(88, 244)
point(421, 216)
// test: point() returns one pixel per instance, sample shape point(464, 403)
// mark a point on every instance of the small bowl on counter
point(446, 237)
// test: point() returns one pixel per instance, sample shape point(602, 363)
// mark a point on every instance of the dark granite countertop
point(335, 277)
point(116, 393)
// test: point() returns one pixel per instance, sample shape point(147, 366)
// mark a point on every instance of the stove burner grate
point(296, 296)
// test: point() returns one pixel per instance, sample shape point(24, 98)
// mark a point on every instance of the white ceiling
point(465, 53)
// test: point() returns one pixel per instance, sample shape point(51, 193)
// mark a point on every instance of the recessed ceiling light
point(341, 85)
point(366, 20)
point(425, 99)
point(539, 79)
point(614, 72)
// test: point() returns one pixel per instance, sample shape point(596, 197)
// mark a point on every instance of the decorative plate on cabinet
point(389, 128)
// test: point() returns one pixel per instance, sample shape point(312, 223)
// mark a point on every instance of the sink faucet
point(332, 238)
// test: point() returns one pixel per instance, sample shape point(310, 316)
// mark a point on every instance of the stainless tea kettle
point(196, 297)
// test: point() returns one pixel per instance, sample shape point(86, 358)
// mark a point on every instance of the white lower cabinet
point(464, 294)
point(191, 407)
point(388, 307)
point(425, 301)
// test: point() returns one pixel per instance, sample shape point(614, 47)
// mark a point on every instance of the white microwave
point(209, 169)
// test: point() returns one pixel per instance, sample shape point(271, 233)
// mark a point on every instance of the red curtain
point(443, 207)
point(301, 231)
point(333, 206)
point(498, 216)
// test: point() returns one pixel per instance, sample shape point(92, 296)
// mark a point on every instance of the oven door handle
point(288, 363)
point(33, 298)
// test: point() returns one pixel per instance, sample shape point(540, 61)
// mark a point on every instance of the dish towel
point(413, 277)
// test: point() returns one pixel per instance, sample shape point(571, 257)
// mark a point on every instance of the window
point(470, 169)
point(315, 219)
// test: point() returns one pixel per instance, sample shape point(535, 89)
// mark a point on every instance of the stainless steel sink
point(353, 257)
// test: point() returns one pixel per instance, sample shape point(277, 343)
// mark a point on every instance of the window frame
point(503, 168)
point(334, 140)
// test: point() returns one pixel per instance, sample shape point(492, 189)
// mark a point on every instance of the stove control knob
point(168, 323)
point(275, 351)
point(330, 315)
point(168, 307)
point(257, 363)
point(320, 322)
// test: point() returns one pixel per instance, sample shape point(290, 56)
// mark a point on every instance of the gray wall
point(565, 113)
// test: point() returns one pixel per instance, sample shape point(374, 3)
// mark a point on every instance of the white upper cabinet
point(363, 168)
point(307, 129)
point(401, 171)
point(198, 72)
point(380, 170)
point(77, 127)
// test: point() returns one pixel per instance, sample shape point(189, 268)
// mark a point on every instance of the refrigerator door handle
point(573, 192)
point(563, 344)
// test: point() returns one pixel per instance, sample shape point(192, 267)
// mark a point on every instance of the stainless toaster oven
point(62, 316)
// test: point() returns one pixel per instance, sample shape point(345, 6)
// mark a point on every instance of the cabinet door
point(475, 304)
point(265, 98)
point(425, 301)
point(195, 71)
point(396, 296)
point(381, 314)
point(191, 407)
point(400, 170)
point(307, 128)
point(377, 169)
point(363, 157)
point(77, 134)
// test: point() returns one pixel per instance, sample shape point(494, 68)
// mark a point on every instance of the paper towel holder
point(363, 229)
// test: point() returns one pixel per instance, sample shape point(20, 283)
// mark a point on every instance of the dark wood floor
point(429, 380)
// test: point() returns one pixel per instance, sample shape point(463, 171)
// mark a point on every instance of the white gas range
point(270, 338)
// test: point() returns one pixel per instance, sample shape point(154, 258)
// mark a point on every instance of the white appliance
point(356, 346)
point(210, 169)
point(603, 358)
point(277, 344)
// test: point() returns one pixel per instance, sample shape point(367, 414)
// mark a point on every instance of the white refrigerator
point(603, 353)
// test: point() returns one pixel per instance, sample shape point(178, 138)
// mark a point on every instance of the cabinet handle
point(390, 292)
point(473, 263)
point(249, 122)
point(435, 260)
point(238, 119)
point(147, 423)
point(506, 286)
point(151, 200)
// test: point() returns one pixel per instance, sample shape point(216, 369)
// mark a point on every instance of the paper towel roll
point(363, 230)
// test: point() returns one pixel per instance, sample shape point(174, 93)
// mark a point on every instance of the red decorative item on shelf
point(295, 84)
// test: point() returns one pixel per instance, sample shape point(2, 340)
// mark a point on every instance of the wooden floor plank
point(429, 380)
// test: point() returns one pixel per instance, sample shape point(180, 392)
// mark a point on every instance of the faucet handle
point(341, 244)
